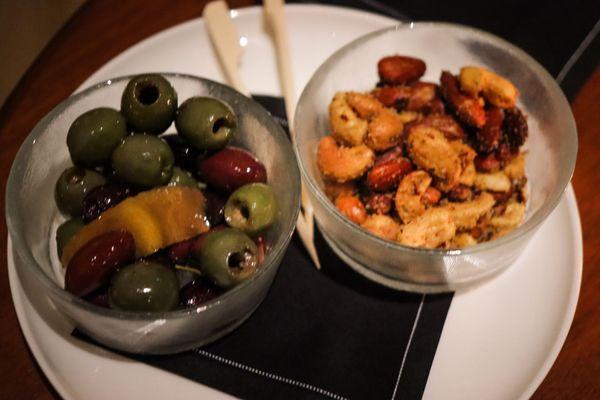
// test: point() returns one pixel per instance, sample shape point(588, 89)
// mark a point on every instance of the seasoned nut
point(343, 164)
point(430, 230)
point(466, 155)
point(431, 196)
point(383, 226)
point(366, 106)
point(393, 96)
point(385, 176)
point(335, 189)
point(488, 137)
point(515, 128)
point(391, 154)
point(352, 208)
point(487, 163)
point(461, 241)
point(398, 70)
point(419, 97)
point(430, 150)
point(515, 170)
point(384, 131)
point(460, 193)
point(496, 89)
point(379, 203)
point(409, 204)
point(445, 124)
point(465, 215)
point(469, 110)
point(346, 125)
point(511, 217)
point(496, 182)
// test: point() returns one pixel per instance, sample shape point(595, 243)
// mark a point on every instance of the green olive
point(94, 135)
point(149, 103)
point(206, 123)
point(65, 232)
point(182, 178)
point(228, 257)
point(72, 186)
point(145, 287)
point(251, 208)
point(143, 160)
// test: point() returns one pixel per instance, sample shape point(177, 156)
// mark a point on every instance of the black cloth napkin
point(321, 334)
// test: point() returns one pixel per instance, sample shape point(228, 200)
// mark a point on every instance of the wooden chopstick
point(277, 23)
point(225, 40)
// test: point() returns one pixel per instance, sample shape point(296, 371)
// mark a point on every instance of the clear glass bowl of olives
point(161, 224)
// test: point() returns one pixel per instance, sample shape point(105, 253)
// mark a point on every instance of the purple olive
point(215, 206)
point(197, 292)
point(103, 197)
point(231, 168)
point(185, 155)
point(98, 297)
point(92, 265)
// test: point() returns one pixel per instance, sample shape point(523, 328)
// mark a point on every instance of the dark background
point(550, 31)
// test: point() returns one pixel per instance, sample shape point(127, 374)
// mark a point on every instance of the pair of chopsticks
point(225, 40)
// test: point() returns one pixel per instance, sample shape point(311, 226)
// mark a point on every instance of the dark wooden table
point(102, 29)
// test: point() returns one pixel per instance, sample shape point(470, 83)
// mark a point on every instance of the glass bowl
point(32, 216)
point(552, 149)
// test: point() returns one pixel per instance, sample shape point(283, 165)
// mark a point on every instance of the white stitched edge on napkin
point(307, 386)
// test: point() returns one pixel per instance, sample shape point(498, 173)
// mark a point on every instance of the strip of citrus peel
point(156, 218)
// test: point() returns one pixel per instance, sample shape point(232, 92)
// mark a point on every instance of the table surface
point(87, 42)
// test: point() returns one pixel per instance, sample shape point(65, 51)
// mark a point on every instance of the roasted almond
point(398, 70)
point(385, 176)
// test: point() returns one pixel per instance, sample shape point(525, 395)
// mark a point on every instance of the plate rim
point(20, 297)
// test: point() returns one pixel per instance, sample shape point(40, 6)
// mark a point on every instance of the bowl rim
point(531, 224)
point(31, 263)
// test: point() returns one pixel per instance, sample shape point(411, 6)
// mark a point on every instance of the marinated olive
point(143, 160)
point(98, 297)
point(215, 205)
point(92, 265)
point(149, 103)
point(72, 186)
point(228, 257)
point(94, 135)
point(144, 286)
point(197, 292)
point(65, 232)
point(206, 123)
point(181, 177)
point(103, 197)
point(231, 168)
point(185, 155)
point(251, 208)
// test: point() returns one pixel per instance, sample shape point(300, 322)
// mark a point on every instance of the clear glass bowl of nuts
point(153, 211)
point(432, 152)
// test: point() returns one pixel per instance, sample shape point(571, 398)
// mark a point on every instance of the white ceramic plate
point(499, 340)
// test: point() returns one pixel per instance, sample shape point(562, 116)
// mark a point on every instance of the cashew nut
point(431, 151)
point(384, 131)
point(495, 182)
point(465, 215)
point(346, 125)
point(496, 89)
point(382, 225)
point(343, 164)
point(409, 195)
point(430, 230)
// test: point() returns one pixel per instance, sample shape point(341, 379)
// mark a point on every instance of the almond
point(385, 176)
point(398, 70)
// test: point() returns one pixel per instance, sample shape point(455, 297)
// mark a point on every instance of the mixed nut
point(424, 164)
point(160, 221)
